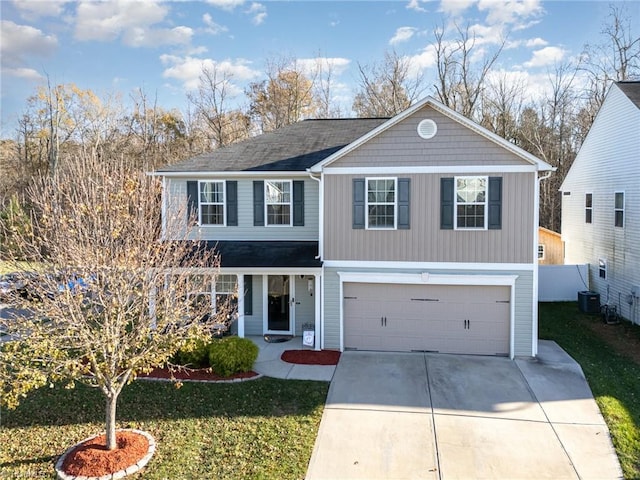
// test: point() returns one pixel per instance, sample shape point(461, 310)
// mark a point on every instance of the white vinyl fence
point(561, 283)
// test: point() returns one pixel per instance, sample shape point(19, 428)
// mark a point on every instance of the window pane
point(588, 213)
point(381, 197)
point(620, 200)
point(211, 192)
point(471, 195)
point(588, 200)
point(381, 216)
point(278, 214)
point(212, 214)
point(278, 192)
point(619, 218)
point(470, 216)
point(225, 284)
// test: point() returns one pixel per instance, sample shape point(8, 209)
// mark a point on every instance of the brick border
point(112, 476)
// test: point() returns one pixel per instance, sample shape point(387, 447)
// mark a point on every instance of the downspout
point(536, 224)
point(320, 287)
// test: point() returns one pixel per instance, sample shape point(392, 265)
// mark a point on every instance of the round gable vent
point(427, 129)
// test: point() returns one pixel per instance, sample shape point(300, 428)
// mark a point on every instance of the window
point(540, 251)
point(212, 203)
point(602, 268)
point(471, 203)
point(225, 293)
point(278, 202)
point(199, 291)
point(381, 203)
point(588, 207)
point(619, 209)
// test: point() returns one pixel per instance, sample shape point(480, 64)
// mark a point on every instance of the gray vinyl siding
point(453, 144)
point(425, 241)
point(607, 162)
point(253, 323)
point(177, 191)
point(523, 310)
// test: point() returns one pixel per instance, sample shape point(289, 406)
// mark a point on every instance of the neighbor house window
point(619, 209)
point(212, 203)
point(381, 203)
point(588, 207)
point(278, 202)
point(471, 202)
point(602, 268)
point(540, 251)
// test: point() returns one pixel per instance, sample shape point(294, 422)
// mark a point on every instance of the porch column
point(240, 305)
point(318, 303)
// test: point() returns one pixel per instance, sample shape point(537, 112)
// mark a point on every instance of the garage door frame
point(432, 279)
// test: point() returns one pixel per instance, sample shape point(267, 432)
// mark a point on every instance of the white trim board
point(230, 174)
point(429, 265)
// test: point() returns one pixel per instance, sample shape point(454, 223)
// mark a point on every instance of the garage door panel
point(444, 318)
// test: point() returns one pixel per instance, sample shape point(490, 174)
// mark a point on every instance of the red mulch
point(92, 459)
point(311, 357)
point(203, 374)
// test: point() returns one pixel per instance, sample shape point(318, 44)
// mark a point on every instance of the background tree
point(98, 221)
point(285, 97)
point(388, 88)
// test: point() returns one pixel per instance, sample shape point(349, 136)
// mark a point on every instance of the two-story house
point(415, 233)
point(601, 200)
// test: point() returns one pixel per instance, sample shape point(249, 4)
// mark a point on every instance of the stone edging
point(233, 380)
point(112, 476)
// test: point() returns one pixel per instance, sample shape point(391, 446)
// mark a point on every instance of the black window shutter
point(232, 203)
point(358, 202)
point(258, 203)
point(192, 199)
point(446, 203)
point(404, 200)
point(248, 295)
point(495, 203)
point(298, 203)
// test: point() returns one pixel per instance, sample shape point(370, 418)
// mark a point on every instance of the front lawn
point(610, 358)
point(262, 428)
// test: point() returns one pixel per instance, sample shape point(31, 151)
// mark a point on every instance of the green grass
point(614, 378)
point(263, 428)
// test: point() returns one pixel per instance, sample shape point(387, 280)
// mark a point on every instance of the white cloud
point(403, 34)
point(131, 21)
point(415, 5)
point(40, 8)
point(187, 70)
point(455, 7)
point(545, 57)
point(22, 72)
point(225, 4)
point(536, 42)
point(212, 27)
point(18, 42)
point(309, 66)
point(509, 11)
point(422, 61)
point(259, 13)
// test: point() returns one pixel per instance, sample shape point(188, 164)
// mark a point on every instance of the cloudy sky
point(161, 46)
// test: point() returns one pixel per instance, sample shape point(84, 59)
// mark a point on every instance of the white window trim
point(588, 208)
point(224, 204)
point(615, 210)
point(541, 248)
point(366, 203)
point(266, 205)
point(455, 203)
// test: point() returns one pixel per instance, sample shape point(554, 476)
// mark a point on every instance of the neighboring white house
point(601, 202)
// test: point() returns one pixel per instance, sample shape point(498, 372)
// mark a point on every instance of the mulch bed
point(311, 357)
point(92, 459)
point(198, 374)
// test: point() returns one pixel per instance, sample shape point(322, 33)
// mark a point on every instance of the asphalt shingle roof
point(270, 254)
point(631, 90)
point(292, 148)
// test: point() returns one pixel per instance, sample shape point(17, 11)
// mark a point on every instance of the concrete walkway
point(430, 416)
point(270, 364)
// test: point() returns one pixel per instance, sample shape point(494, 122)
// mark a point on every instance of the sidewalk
point(270, 364)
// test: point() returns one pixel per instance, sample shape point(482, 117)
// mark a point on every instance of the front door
point(279, 304)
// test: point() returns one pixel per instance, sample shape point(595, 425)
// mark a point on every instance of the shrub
point(195, 354)
point(232, 355)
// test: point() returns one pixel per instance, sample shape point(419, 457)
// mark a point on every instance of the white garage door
point(437, 318)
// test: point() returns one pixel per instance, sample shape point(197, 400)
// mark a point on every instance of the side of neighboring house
point(550, 247)
point(601, 202)
point(412, 233)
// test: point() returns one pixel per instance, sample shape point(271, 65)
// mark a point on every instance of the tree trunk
point(112, 399)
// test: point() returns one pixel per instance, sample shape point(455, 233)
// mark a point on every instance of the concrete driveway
point(430, 416)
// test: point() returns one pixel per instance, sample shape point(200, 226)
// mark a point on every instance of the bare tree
point(108, 297)
point(460, 80)
point(285, 97)
point(387, 89)
point(501, 105)
point(212, 99)
point(323, 80)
